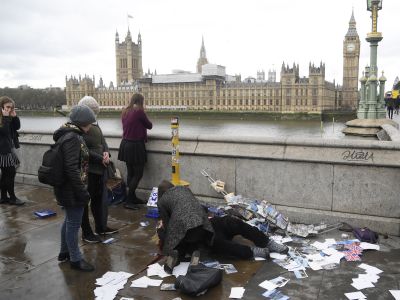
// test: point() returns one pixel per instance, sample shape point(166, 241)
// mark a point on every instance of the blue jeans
point(69, 232)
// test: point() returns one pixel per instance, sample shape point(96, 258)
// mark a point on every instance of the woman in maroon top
point(132, 149)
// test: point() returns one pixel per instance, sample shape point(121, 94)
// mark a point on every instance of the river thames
point(209, 126)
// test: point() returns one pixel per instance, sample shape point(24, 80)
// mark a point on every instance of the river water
point(192, 126)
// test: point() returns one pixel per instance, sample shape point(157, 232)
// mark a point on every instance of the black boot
point(81, 265)
point(172, 261)
point(63, 256)
point(16, 201)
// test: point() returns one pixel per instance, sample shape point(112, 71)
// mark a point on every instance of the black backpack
point(51, 170)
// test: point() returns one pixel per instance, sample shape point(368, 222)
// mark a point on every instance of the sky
point(42, 41)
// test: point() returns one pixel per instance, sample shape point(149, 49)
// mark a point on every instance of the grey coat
point(180, 211)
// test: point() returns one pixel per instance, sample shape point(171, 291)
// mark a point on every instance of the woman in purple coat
point(132, 149)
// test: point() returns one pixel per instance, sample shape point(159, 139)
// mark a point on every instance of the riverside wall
point(309, 180)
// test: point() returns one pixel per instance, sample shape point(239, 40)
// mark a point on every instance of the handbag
point(114, 177)
point(198, 280)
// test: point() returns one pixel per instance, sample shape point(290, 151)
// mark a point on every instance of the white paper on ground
point(237, 292)
point(157, 270)
point(369, 246)
point(314, 265)
point(360, 284)
point(268, 285)
point(355, 295)
point(181, 269)
point(144, 282)
point(330, 241)
point(319, 245)
point(330, 251)
point(395, 294)
point(370, 269)
point(275, 255)
point(279, 281)
point(260, 258)
point(286, 240)
point(370, 277)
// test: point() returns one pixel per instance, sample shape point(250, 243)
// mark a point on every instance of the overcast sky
point(41, 41)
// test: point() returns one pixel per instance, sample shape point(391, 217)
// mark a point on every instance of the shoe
point(108, 230)
point(4, 200)
point(172, 261)
point(91, 238)
point(16, 201)
point(81, 265)
point(132, 206)
point(260, 252)
point(63, 256)
point(278, 248)
point(194, 261)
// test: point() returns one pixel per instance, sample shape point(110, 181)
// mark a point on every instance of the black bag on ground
point(51, 170)
point(198, 280)
point(366, 235)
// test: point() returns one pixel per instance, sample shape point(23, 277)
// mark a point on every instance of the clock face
point(351, 47)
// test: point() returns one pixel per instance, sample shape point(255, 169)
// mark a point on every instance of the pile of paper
point(237, 293)
point(368, 279)
point(110, 283)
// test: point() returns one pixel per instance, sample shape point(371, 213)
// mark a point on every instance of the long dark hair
point(3, 101)
point(137, 101)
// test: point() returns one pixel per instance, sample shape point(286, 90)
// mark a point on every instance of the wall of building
point(310, 180)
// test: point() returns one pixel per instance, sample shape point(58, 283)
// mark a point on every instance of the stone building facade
point(212, 89)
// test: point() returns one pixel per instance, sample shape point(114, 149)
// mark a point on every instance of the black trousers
point(135, 174)
point(97, 205)
point(226, 228)
point(7, 182)
point(390, 112)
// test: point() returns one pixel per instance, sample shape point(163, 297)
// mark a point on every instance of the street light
point(370, 4)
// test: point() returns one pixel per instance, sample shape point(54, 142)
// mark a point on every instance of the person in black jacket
point(9, 124)
point(72, 195)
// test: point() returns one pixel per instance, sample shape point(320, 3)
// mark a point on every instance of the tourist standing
point(390, 107)
point(72, 195)
point(9, 124)
point(99, 158)
point(132, 149)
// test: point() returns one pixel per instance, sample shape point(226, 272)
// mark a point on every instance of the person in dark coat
point(185, 222)
point(72, 195)
point(390, 106)
point(9, 124)
point(99, 158)
point(132, 149)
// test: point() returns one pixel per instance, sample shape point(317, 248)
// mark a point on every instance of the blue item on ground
point(45, 213)
point(152, 212)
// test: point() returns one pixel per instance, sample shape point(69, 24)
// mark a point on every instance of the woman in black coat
point(9, 124)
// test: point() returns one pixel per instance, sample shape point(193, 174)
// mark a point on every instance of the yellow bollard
point(176, 179)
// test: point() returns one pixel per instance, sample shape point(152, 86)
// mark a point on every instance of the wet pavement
point(29, 268)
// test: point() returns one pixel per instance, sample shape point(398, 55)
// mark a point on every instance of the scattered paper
point(109, 285)
point(279, 281)
point(237, 292)
point(360, 284)
point(355, 295)
point(370, 269)
point(268, 285)
point(275, 294)
point(300, 274)
point(157, 270)
point(144, 282)
point(330, 241)
point(260, 258)
point(369, 246)
point(395, 294)
point(181, 269)
point(275, 255)
point(229, 268)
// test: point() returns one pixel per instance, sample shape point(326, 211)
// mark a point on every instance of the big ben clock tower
point(351, 57)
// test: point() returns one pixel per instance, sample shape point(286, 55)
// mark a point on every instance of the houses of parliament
point(210, 88)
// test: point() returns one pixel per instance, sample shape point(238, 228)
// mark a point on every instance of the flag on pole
point(129, 16)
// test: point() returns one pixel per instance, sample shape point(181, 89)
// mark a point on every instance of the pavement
point(29, 268)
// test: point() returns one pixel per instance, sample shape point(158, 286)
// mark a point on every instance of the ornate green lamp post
point(372, 105)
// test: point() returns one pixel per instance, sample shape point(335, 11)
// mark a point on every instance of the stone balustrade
point(310, 180)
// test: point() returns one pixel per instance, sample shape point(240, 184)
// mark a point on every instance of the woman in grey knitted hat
point(99, 158)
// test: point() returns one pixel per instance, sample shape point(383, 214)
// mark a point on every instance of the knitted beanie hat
point(82, 115)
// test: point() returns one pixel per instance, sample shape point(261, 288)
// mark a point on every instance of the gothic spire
point(352, 31)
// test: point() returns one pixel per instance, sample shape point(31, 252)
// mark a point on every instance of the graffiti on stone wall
point(358, 155)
